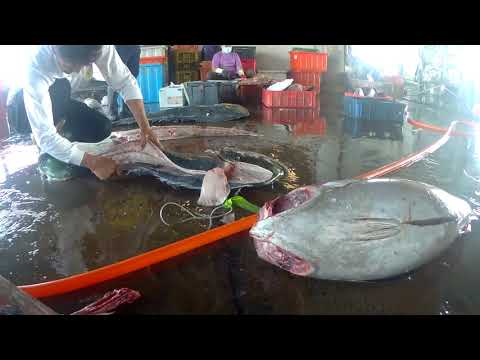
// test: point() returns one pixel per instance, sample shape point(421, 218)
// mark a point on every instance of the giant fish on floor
point(193, 114)
point(215, 174)
point(358, 230)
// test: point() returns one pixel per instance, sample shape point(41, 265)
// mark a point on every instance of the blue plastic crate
point(374, 109)
point(376, 129)
point(151, 80)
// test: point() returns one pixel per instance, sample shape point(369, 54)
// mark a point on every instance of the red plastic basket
point(289, 99)
point(304, 61)
point(152, 60)
point(205, 68)
point(308, 79)
point(249, 64)
point(186, 47)
point(300, 121)
point(250, 94)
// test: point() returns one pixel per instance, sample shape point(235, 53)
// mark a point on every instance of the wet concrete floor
point(50, 231)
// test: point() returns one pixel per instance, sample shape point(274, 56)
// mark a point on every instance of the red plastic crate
point(152, 60)
point(289, 99)
point(249, 64)
point(304, 61)
point(308, 79)
point(205, 68)
point(250, 94)
point(186, 47)
point(300, 121)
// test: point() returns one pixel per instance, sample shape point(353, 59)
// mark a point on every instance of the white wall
point(276, 57)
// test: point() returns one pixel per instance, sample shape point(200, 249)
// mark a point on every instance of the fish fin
point(366, 229)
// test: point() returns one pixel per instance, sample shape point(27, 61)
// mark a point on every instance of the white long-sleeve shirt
point(42, 73)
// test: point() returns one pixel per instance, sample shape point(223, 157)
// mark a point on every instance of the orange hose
point(76, 282)
point(412, 158)
point(438, 129)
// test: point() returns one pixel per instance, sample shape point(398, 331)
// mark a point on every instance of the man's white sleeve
point(39, 112)
point(117, 75)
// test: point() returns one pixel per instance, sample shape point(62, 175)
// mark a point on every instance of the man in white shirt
point(45, 99)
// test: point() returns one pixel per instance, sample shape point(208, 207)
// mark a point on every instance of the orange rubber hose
point(75, 282)
point(109, 272)
point(438, 129)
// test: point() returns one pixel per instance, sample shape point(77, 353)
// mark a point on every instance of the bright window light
point(13, 63)
point(388, 59)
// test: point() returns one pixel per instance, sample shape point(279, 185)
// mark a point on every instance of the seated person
point(226, 65)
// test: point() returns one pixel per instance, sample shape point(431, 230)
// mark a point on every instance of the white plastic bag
point(280, 86)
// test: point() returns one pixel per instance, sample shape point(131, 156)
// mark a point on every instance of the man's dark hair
point(80, 54)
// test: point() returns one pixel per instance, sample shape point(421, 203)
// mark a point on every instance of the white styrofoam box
point(155, 50)
point(171, 96)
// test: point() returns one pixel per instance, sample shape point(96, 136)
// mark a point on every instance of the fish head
point(265, 238)
point(290, 201)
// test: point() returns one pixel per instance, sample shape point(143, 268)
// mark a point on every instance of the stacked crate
point(289, 99)
point(301, 122)
point(212, 92)
point(307, 67)
point(374, 108)
point(250, 94)
point(247, 56)
point(185, 65)
point(205, 68)
point(151, 77)
point(358, 127)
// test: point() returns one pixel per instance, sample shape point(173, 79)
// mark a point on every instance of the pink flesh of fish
point(215, 187)
point(125, 148)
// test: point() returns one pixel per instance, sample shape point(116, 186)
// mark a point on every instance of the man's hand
point(219, 70)
point(241, 73)
point(147, 134)
point(102, 167)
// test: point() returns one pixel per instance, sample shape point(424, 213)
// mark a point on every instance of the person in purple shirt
point(226, 65)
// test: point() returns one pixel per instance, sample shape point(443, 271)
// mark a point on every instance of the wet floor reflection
point(51, 231)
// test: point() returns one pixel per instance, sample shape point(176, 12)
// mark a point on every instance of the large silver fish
point(214, 174)
point(359, 229)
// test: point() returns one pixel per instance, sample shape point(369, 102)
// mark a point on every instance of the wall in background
point(277, 58)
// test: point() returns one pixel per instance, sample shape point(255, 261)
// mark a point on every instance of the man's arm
point(138, 110)
point(216, 64)
point(118, 76)
point(38, 107)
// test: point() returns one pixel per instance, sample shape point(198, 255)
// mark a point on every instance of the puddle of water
point(49, 231)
